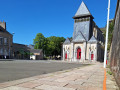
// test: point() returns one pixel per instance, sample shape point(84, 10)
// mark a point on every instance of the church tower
point(86, 44)
point(82, 24)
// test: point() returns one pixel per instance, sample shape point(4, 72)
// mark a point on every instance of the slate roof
point(18, 47)
point(82, 27)
point(93, 40)
point(4, 30)
point(35, 50)
point(82, 11)
point(31, 46)
point(79, 37)
point(67, 41)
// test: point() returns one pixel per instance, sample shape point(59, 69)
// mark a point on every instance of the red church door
point(92, 56)
point(78, 53)
point(65, 55)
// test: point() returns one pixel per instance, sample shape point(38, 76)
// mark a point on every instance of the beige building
point(6, 40)
point(87, 42)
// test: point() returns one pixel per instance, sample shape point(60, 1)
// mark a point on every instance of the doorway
point(65, 55)
point(79, 53)
point(92, 56)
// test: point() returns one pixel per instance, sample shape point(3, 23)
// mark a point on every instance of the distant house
point(6, 40)
point(36, 54)
point(20, 51)
point(31, 46)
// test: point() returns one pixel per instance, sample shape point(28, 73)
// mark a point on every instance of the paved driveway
point(13, 70)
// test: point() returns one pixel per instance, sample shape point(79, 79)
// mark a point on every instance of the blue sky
point(26, 18)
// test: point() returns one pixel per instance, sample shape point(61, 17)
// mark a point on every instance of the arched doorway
point(92, 56)
point(65, 55)
point(79, 53)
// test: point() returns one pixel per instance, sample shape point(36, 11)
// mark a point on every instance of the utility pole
point(106, 41)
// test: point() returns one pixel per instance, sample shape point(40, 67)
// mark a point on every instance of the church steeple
point(82, 11)
point(83, 21)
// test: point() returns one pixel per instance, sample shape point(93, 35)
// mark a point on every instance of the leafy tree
point(110, 34)
point(51, 46)
point(54, 45)
point(39, 41)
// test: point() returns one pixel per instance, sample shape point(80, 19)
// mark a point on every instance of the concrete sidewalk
point(85, 78)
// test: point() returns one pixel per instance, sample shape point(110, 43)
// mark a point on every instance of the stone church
point(87, 43)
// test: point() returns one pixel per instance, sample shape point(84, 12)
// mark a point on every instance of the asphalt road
point(13, 70)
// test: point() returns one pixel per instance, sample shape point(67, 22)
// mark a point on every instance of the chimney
point(3, 25)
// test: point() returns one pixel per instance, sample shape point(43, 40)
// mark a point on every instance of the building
point(36, 54)
point(114, 54)
point(87, 42)
point(21, 51)
point(31, 46)
point(6, 40)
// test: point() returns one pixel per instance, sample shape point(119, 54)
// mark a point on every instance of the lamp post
point(106, 41)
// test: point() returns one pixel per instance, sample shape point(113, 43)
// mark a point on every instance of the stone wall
point(115, 47)
point(6, 41)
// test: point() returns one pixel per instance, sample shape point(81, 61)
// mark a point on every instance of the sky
point(26, 18)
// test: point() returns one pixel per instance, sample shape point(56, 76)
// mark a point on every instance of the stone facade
point(88, 41)
point(21, 51)
point(115, 46)
point(6, 40)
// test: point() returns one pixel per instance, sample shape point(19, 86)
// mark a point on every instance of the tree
point(110, 34)
point(51, 46)
point(54, 45)
point(39, 41)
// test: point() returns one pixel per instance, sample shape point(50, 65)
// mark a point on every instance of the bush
point(109, 72)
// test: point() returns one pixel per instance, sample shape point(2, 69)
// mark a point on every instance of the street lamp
point(106, 41)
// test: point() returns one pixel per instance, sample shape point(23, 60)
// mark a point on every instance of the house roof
point(82, 11)
point(17, 47)
point(4, 30)
point(31, 46)
point(35, 50)
point(93, 40)
point(67, 41)
point(79, 37)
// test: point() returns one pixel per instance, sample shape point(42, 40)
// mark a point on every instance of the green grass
point(109, 72)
